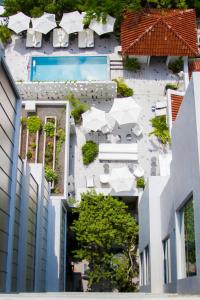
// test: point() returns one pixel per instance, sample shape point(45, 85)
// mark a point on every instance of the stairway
point(116, 64)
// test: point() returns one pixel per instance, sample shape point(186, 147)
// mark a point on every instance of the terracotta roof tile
point(159, 33)
point(176, 101)
point(193, 66)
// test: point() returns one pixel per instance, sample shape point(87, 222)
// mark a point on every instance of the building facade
point(28, 228)
point(169, 235)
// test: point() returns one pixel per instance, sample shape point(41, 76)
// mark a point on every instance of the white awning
point(72, 22)
point(121, 179)
point(19, 22)
point(125, 110)
point(102, 28)
point(45, 23)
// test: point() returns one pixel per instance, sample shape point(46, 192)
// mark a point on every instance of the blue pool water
point(63, 68)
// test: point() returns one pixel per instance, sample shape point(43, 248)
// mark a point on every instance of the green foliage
point(33, 146)
point(50, 174)
point(131, 64)
point(5, 34)
point(71, 201)
point(60, 141)
point(176, 66)
point(36, 12)
point(140, 182)
point(49, 128)
point(160, 129)
point(122, 88)
point(106, 234)
point(29, 154)
point(49, 153)
point(23, 121)
point(171, 86)
point(78, 108)
point(90, 151)
point(34, 124)
point(168, 3)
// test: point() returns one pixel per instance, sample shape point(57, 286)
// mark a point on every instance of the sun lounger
point(90, 181)
point(33, 39)
point(137, 130)
point(90, 38)
point(118, 156)
point(119, 148)
point(82, 39)
point(123, 152)
point(60, 38)
point(161, 112)
point(161, 104)
point(104, 178)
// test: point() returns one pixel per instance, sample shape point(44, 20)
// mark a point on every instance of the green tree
point(106, 234)
point(160, 129)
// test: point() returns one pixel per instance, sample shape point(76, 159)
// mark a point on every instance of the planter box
point(32, 138)
point(50, 161)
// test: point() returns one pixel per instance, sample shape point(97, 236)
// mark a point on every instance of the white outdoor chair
point(104, 178)
point(137, 130)
point(82, 39)
point(90, 181)
point(139, 172)
point(33, 39)
point(161, 112)
point(161, 104)
point(90, 38)
point(60, 38)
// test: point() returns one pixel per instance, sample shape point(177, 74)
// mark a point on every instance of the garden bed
point(32, 146)
point(49, 153)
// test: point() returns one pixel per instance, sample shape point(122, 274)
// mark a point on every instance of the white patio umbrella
point(125, 110)
point(110, 124)
point(19, 22)
point(72, 22)
point(102, 28)
point(94, 119)
point(45, 23)
point(121, 179)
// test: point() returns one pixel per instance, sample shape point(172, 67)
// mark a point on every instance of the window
point(141, 268)
point(147, 266)
point(188, 238)
point(167, 260)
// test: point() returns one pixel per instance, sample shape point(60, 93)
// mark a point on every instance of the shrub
point(131, 64)
point(171, 86)
point(122, 88)
point(90, 151)
point(160, 129)
point(34, 124)
point(49, 153)
point(60, 141)
point(140, 182)
point(49, 128)
point(29, 154)
point(36, 12)
point(78, 108)
point(176, 66)
point(5, 34)
point(33, 146)
point(50, 174)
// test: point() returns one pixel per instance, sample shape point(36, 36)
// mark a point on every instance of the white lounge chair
point(137, 130)
point(82, 39)
point(60, 38)
point(90, 181)
point(161, 112)
point(104, 178)
point(161, 104)
point(33, 39)
point(139, 172)
point(90, 38)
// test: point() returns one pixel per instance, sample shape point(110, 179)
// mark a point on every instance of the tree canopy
point(106, 234)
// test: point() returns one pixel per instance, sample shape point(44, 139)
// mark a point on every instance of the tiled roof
point(159, 33)
point(193, 66)
point(176, 101)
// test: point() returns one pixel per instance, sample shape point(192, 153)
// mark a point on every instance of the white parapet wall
point(59, 90)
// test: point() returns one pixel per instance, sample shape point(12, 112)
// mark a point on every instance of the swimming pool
point(63, 68)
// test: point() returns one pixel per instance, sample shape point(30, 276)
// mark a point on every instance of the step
point(116, 68)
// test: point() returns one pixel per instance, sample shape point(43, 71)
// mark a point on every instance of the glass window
point(141, 268)
point(167, 260)
point(188, 238)
point(147, 266)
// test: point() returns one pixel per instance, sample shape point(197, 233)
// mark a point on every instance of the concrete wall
point(150, 231)
point(59, 90)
